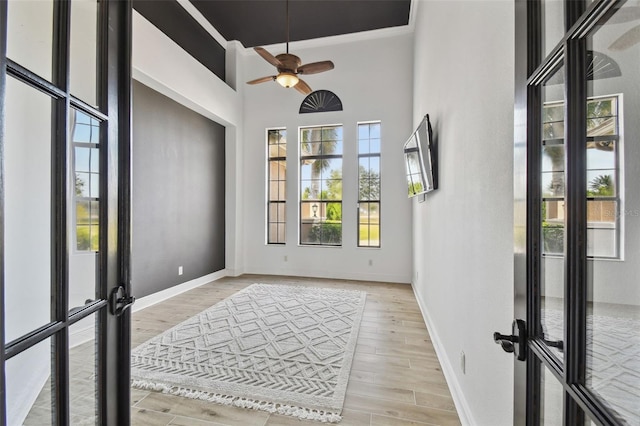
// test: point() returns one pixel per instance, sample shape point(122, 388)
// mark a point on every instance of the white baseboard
point(464, 412)
point(152, 299)
point(331, 274)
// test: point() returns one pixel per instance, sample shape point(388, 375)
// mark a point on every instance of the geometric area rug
point(281, 349)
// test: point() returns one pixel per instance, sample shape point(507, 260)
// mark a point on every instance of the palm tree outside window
point(604, 175)
point(321, 185)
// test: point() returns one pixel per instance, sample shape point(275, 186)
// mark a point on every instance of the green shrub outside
point(326, 233)
point(553, 238)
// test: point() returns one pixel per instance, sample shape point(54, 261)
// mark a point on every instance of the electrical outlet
point(286, 258)
point(179, 270)
point(370, 262)
point(463, 360)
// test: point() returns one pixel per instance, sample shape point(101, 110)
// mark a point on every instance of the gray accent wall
point(178, 193)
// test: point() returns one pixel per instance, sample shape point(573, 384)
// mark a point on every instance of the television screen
point(420, 160)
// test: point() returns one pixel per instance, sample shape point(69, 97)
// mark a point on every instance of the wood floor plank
point(435, 401)
point(396, 331)
point(392, 394)
point(202, 410)
point(377, 336)
point(424, 350)
point(417, 340)
point(189, 421)
point(406, 351)
point(415, 383)
point(137, 395)
point(378, 420)
point(414, 323)
point(142, 417)
point(401, 410)
point(375, 361)
point(362, 376)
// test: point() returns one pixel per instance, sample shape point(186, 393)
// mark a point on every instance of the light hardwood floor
point(396, 379)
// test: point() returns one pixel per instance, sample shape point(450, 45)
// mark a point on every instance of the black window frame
point(368, 201)
point(281, 202)
point(78, 198)
point(615, 198)
point(319, 205)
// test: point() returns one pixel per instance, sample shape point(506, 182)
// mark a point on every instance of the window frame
point(282, 198)
point(377, 201)
point(323, 203)
point(617, 198)
point(75, 198)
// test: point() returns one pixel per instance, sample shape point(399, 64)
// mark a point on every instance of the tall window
point(86, 165)
point(321, 185)
point(603, 178)
point(277, 201)
point(369, 184)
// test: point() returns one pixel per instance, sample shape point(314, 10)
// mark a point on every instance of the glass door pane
point(29, 386)
point(30, 35)
point(553, 213)
point(84, 49)
point(613, 219)
point(552, 24)
point(83, 209)
point(551, 400)
point(28, 227)
point(83, 372)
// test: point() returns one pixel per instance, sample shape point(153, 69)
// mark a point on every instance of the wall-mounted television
point(420, 159)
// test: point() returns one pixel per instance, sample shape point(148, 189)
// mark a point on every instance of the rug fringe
point(270, 407)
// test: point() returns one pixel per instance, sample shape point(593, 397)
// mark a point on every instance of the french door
point(577, 212)
point(64, 211)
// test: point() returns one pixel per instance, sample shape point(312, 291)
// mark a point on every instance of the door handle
point(120, 301)
point(516, 342)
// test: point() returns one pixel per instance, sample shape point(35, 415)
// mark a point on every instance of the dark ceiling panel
point(171, 18)
point(263, 22)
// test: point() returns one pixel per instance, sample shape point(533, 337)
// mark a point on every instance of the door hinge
point(120, 301)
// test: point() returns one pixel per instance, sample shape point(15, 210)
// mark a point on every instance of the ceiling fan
point(290, 66)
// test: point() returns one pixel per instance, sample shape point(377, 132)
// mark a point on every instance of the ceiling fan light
point(287, 79)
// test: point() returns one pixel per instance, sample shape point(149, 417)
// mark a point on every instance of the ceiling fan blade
point(268, 56)
point(626, 40)
point(262, 79)
point(315, 67)
point(303, 87)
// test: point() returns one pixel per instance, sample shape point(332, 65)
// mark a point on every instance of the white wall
point(463, 238)
point(373, 78)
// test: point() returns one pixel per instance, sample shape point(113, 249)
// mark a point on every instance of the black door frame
point(114, 105)
point(532, 70)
